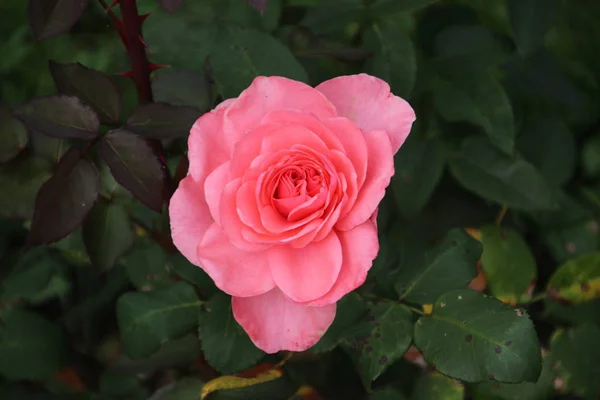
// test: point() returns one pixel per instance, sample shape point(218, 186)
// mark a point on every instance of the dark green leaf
point(64, 200)
point(510, 181)
point(162, 121)
point(225, 345)
point(387, 394)
point(435, 386)
point(60, 116)
point(240, 55)
point(15, 391)
point(384, 8)
point(577, 280)
point(260, 5)
point(541, 390)
point(193, 274)
point(332, 16)
point(482, 102)
point(549, 145)
point(13, 135)
point(508, 264)
point(575, 353)
point(31, 348)
point(379, 339)
point(49, 18)
point(147, 266)
point(107, 234)
point(46, 147)
point(474, 338)
point(185, 389)
point(394, 58)
point(149, 319)
point(93, 87)
point(349, 311)
point(170, 6)
point(464, 49)
point(136, 166)
point(450, 265)
point(29, 276)
point(530, 21)
point(121, 385)
point(20, 183)
point(590, 157)
point(182, 87)
point(419, 165)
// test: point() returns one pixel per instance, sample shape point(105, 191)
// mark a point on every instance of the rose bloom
point(281, 195)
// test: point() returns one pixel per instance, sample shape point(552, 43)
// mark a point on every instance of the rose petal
point(213, 188)
point(379, 173)
point(308, 273)
point(359, 248)
point(266, 94)
point(189, 217)
point(367, 101)
point(276, 323)
point(236, 272)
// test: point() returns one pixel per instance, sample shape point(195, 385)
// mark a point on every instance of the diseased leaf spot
point(468, 338)
point(508, 342)
point(383, 360)
point(497, 349)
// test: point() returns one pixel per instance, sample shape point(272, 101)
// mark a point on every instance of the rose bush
point(281, 195)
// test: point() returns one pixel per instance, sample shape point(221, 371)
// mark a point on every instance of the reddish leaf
point(49, 18)
point(136, 166)
point(162, 121)
point(65, 199)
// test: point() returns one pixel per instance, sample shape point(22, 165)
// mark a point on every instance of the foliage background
point(497, 189)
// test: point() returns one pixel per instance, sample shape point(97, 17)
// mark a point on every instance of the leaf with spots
point(577, 280)
point(508, 264)
point(474, 338)
point(452, 264)
point(435, 386)
point(575, 354)
point(148, 320)
point(379, 339)
point(225, 345)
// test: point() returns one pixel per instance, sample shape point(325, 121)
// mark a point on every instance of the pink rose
point(280, 199)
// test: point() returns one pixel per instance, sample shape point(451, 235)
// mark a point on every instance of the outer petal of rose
point(380, 170)
point(276, 323)
point(207, 148)
point(213, 188)
point(236, 272)
point(266, 94)
point(190, 217)
point(308, 273)
point(359, 248)
point(367, 101)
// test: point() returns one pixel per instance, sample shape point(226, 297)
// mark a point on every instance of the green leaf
point(508, 264)
point(577, 280)
point(60, 116)
point(472, 337)
point(162, 121)
point(225, 345)
point(387, 394)
point(575, 353)
point(240, 55)
point(419, 165)
point(149, 319)
point(93, 87)
point(350, 309)
point(435, 386)
point(450, 265)
point(464, 49)
point(482, 102)
point(107, 234)
point(63, 201)
point(193, 274)
point(509, 181)
point(590, 157)
point(182, 87)
point(119, 385)
point(135, 165)
point(31, 348)
point(147, 266)
point(541, 390)
point(394, 58)
point(170, 6)
point(49, 18)
point(329, 17)
point(549, 145)
point(384, 8)
point(379, 339)
point(13, 135)
point(530, 21)
point(185, 389)
point(20, 182)
point(29, 276)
